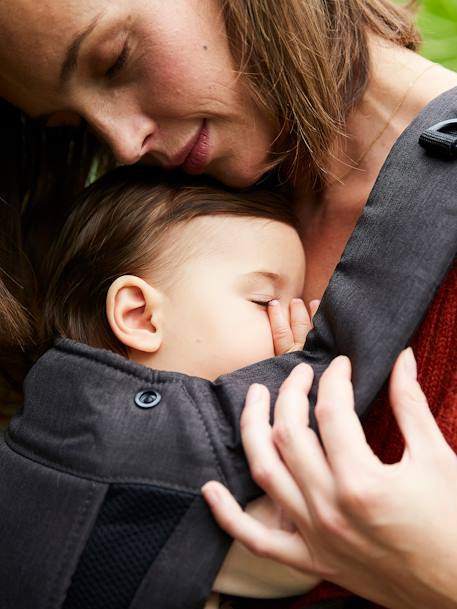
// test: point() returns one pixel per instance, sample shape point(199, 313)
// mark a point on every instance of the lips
point(197, 157)
point(193, 158)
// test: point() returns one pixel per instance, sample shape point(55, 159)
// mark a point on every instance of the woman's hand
point(385, 532)
point(248, 575)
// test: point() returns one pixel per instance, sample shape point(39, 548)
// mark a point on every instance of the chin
point(238, 176)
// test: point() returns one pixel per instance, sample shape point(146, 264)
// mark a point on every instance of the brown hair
point(40, 169)
point(124, 224)
point(306, 64)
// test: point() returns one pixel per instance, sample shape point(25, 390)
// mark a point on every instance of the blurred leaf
point(438, 23)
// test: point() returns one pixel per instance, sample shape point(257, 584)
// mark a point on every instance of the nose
point(129, 137)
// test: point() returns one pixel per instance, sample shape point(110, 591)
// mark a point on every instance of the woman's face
point(153, 78)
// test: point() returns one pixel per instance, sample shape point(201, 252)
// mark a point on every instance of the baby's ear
point(134, 312)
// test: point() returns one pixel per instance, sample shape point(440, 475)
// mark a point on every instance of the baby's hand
point(244, 574)
point(290, 336)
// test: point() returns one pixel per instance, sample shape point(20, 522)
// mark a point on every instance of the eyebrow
point(272, 276)
point(71, 56)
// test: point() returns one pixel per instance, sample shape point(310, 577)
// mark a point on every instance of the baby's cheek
point(241, 343)
point(258, 342)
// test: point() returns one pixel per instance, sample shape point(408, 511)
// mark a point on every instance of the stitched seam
point(163, 552)
point(72, 539)
point(164, 549)
point(147, 375)
point(105, 480)
point(208, 435)
point(142, 377)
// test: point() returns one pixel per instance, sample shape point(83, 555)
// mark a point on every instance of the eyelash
point(120, 62)
point(261, 303)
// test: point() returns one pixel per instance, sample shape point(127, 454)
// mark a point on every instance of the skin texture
point(214, 316)
point(220, 312)
point(181, 74)
point(367, 526)
point(178, 78)
point(188, 62)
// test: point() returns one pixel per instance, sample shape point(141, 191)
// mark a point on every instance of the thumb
point(410, 406)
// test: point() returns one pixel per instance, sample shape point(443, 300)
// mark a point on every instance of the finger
point(265, 464)
point(283, 339)
point(341, 431)
point(296, 386)
point(298, 444)
point(313, 306)
point(282, 546)
point(410, 406)
point(300, 322)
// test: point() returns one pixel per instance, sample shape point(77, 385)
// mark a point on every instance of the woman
point(231, 89)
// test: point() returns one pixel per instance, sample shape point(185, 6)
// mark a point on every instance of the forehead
point(242, 245)
point(28, 26)
point(34, 37)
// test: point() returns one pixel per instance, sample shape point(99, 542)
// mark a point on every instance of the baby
point(193, 278)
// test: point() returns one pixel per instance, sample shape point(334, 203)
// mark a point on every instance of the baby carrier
point(100, 471)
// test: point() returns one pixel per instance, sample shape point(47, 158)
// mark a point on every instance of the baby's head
point(173, 275)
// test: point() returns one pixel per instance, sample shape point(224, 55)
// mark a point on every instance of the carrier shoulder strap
point(117, 453)
point(398, 255)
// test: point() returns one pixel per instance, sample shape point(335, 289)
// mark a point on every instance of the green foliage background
point(438, 23)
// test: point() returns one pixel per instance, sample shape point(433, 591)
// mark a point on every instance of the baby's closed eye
point(262, 301)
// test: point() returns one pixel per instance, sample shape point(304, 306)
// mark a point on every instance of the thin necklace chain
point(388, 122)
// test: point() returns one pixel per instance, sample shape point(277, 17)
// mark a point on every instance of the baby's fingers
point(300, 322)
point(288, 337)
point(313, 306)
point(283, 338)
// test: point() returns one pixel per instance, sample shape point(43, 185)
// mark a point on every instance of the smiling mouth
point(192, 159)
point(197, 158)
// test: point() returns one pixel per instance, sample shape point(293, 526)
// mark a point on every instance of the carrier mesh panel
point(133, 525)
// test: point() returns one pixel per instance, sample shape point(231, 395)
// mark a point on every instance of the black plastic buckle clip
point(441, 139)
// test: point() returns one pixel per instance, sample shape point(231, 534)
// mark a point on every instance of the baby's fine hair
point(123, 225)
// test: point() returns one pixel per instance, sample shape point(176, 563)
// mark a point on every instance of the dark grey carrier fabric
point(142, 524)
point(132, 527)
point(100, 501)
point(45, 520)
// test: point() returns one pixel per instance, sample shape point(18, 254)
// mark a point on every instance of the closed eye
point(262, 303)
point(120, 62)
point(60, 119)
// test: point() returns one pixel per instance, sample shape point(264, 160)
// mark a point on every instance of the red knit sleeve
point(435, 347)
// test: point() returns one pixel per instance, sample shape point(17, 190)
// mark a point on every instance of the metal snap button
point(147, 398)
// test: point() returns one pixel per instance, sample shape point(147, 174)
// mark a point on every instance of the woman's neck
point(401, 84)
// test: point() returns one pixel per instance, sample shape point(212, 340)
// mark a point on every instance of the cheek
point(184, 64)
point(219, 336)
point(174, 87)
point(246, 340)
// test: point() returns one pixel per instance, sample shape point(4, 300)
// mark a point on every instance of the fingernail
point(255, 393)
point(210, 494)
point(297, 300)
point(303, 370)
point(314, 306)
point(273, 303)
point(410, 363)
point(342, 365)
point(342, 360)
